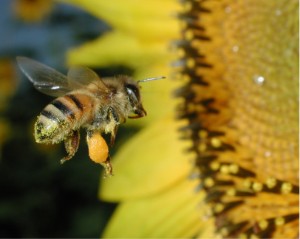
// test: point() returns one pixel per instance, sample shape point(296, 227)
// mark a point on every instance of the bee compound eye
point(133, 91)
point(129, 91)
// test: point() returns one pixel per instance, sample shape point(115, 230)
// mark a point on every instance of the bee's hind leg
point(71, 145)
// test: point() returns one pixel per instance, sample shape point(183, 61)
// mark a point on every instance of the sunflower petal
point(142, 18)
point(169, 214)
point(139, 168)
point(118, 48)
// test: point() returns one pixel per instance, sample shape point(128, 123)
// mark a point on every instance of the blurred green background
point(40, 197)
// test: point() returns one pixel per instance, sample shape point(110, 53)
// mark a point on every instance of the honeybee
point(83, 100)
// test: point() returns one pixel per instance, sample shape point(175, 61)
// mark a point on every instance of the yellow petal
point(171, 214)
point(208, 230)
point(149, 19)
point(118, 48)
point(150, 162)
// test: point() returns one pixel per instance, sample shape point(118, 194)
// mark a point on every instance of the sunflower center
point(240, 61)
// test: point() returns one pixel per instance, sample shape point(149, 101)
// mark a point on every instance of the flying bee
point(83, 99)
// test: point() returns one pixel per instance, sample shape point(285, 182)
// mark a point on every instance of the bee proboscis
point(83, 99)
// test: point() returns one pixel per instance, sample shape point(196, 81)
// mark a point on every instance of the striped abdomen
point(61, 116)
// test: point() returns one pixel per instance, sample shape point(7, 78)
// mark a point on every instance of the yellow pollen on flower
point(279, 221)
point(203, 134)
point(202, 147)
point(247, 183)
point(219, 207)
point(187, 6)
point(215, 166)
point(189, 35)
point(181, 53)
point(286, 188)
point(257, 187)
point(243, 236)
point(253, 236)
point(209, 182)
point(224, 231)
point(271, 182)
point(231, 192)
point(263, 224)
point(215, 142)
point(190, 63)
point(225, 169)
point(233, 168)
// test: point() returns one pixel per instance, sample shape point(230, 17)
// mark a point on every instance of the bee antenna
point(152, 78)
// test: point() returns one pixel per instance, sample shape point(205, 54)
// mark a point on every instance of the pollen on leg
point(98, 150)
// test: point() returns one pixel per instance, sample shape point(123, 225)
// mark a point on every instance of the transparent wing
point(45, 79)
point(80, 76)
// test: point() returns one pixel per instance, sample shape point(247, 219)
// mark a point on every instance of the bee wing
point(80, 76)
point(44, 78)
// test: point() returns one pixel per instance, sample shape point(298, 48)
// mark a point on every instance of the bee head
point(133, 92)
point(134, 96)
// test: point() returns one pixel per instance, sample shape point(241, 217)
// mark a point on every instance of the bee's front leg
point(114, 120)
point(113, 135)
point(71, 145)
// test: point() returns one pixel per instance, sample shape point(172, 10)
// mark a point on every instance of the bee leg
point(113, 135)
point(71, 145)
point(98, 151)
point(113, 117)
point(108, 170)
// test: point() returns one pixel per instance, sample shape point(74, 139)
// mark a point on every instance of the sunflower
point(228, 164)
point(32, 10)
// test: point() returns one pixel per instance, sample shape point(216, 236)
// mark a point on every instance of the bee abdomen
point(64, 108)
point(76, 100)
point(51, 123)
point(62, 116)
